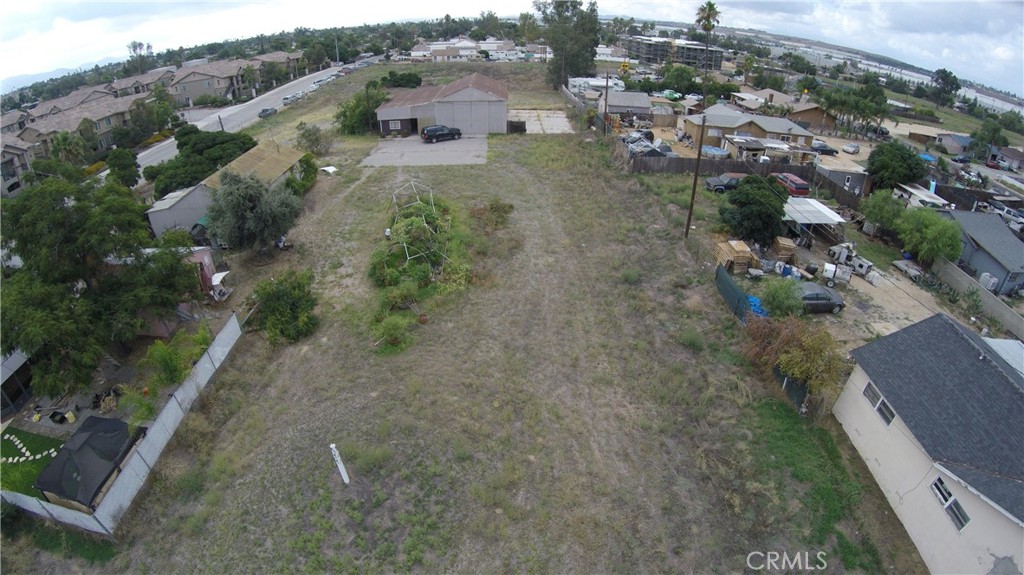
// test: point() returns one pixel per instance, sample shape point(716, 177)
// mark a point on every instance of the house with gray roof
point(720, 120)
point(476, 104)
point(990, 247)
point(625, 103)
point(937, 414)
point(105, 114)
point(142, 83)
point(80, 96)
point(954, 143)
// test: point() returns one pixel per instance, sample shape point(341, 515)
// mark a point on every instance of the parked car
point(434, 134)
point(961, 159)
point(852, 148)
point(823, 148)
point(267, 112)
point(724, 182)
point(792, 183)
point(992, 164)
point(818, 298)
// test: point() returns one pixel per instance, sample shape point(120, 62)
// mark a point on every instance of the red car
point(992, 164)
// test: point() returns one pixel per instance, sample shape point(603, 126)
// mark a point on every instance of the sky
point(976, 40)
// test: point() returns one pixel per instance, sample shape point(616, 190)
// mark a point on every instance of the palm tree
point(707, 18)
point(68, 147)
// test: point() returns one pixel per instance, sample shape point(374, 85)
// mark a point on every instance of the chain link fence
point(135, 469)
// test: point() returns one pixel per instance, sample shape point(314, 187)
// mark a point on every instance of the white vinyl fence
point(137, 467)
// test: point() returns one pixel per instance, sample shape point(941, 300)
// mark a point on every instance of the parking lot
point(412, 151)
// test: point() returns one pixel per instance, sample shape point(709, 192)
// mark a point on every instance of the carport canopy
point(807, 211)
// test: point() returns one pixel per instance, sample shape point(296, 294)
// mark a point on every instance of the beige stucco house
point(222, 78)
point(105, 114)
point(142, 83)
point(937, 414)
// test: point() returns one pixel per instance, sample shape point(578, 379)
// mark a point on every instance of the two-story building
point(222, 78)
point(937, 414)
point(105, 114)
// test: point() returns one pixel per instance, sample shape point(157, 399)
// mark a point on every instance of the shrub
point(781, 297)
point(286, 306)
point(393, 331)
point(95, 168)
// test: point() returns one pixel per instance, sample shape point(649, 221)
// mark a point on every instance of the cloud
point(976, 40)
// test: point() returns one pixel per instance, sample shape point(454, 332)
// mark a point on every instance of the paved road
point(230, 119)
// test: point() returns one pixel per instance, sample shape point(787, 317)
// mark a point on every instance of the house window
point(880, 405)
point(785, 137)
point(395, 125)
point(950, 504)
point(715, 132)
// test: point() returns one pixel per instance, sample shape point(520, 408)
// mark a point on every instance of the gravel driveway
point(412, 151)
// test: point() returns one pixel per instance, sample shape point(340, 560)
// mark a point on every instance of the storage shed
point(84, 467)
point(476, 104)
point(180, 209)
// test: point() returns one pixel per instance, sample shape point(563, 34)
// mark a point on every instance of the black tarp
point(88, 459)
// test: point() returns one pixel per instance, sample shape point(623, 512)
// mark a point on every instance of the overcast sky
point(976, 40)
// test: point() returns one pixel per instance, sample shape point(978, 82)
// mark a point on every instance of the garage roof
point(428, 94)
point(810, 211)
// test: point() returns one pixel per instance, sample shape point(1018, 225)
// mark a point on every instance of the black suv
point(435, 133)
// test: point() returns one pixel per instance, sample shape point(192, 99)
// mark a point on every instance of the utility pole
point(696, 171)
point(337, 53)
point(606, 119)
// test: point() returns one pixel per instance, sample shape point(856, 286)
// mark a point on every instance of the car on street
point(267, 112)
point(823, 148)
point(961, 159)
point(437, 133)
point(820, 299)
point(992, 164)
point(852, 148)
point(723, 183)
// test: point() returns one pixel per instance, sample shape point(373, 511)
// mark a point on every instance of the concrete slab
point(412, 151)
point(542, 121)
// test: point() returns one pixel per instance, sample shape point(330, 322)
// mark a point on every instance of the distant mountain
point(16, 82)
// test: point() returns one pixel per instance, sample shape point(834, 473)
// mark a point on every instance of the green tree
point(311, 138)
point(781, 297)
point(528, 29)
point(123, 167)
point(755, 210)
point(881, 209)
point(65, 305)
point(928, 235)
point(245, 212)
point(988, 135)
point(817, 361)
point(573, 34)
point(357, 115)
point(200, 154)
point(893, 163)
point(945, 85)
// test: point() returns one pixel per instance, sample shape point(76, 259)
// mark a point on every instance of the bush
point(286, 306)
point(207, 100)
point(95, 168)
point(393, 332)
point(781, 297)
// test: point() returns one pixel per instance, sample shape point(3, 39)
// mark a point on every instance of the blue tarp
point(755, 306)
point(926, 157)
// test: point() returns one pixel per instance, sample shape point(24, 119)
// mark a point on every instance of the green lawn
point(17, 475)
point(878, 253)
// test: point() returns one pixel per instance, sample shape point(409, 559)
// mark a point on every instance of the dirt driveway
point(412, 151)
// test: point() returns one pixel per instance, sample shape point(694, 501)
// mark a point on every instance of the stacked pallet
point(733, 255)
point(784, 248)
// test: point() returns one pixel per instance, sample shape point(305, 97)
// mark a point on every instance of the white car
point(852, 148)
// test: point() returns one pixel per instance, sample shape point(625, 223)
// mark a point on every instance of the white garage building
point(476, 104)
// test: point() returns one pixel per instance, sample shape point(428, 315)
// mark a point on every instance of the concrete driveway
point(412, 151)
point(542, 121)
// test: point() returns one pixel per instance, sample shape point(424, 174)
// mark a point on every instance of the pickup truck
point(723, 183)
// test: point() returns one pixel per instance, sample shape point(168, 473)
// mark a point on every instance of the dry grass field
point(582, 407)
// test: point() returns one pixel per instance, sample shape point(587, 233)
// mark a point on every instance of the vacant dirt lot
point(582, 407)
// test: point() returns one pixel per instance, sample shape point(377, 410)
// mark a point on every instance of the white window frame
point(394, 124)
point(715, 132)
point(950, 505)
point(879, 404)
